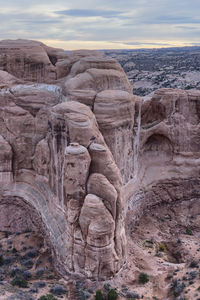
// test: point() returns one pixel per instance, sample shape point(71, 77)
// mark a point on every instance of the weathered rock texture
point(57, 172)
point(78, 150)
point(168, 151)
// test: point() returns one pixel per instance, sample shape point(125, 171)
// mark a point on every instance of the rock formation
point(56, 167)
point(81, 156)
point(168, 150)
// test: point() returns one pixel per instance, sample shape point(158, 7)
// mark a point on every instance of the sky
point(102, 24)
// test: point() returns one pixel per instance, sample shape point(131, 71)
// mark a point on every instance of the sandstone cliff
point(55, 162)
point(82, 158)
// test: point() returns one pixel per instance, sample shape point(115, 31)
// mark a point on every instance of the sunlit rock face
point(81, 156)
point(35, 62)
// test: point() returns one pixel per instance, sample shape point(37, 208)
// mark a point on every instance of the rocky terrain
point(99, 189)
point(151, 69)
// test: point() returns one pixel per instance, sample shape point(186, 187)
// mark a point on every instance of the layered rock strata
point(57, 171)
point(168, 151)
point(81, 156)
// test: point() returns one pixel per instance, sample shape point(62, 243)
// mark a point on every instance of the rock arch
point(158, 147)
point(17, 215)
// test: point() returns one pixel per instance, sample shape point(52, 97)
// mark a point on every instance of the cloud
point(89, 13)
point(146, 44)
point(168, 19)
point(187, 27)
point(104, 23)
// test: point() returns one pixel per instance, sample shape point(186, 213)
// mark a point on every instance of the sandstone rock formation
point(81, 157)
point(56, 167)
point(168, 149)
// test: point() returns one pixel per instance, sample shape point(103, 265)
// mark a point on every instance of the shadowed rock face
point(168, 151)
point(78, 150)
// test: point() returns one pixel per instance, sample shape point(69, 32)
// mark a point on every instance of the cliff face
point(81, 156)
point(168, 149)
point(57, 170)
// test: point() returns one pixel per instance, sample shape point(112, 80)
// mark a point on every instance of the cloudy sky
point(102, 24)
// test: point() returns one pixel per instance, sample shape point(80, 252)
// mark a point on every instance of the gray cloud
point(89, 13)
point(146, 44)
point(185, 27)
point(121, 22)
point(167, 19)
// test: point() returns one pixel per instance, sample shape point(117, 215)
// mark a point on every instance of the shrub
point(162, 247)
point(28, 263)
point(112, 295)
point(188, 231)
point(39, 272)
point(20, 282)
point(99, 295)
point(177, 287)
point(193, 264)
point(143, 278)
point(58, 290)
point(107, 286)
point(26, 275)
point(48, 297)
point(8, 260)
point(15, 271)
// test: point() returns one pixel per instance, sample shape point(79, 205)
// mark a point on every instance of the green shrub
point(99, 295)
point(162, 247)
point(20, 282)
point(48, 297)
point(188, 231)
point(143, 278)
point(112, 295)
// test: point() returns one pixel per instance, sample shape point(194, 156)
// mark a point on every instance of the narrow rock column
point(105, 187)
point(76, 169)
point(97, 226)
